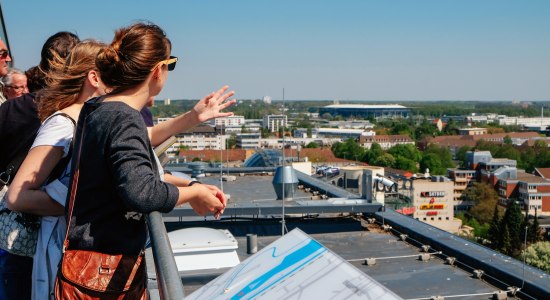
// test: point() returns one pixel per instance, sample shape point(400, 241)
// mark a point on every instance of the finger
point(220, 93)
point(221, 197)
point(227, 104)
point(223, 89)
point(225, 96)
point(206, 99)
point(221, 115)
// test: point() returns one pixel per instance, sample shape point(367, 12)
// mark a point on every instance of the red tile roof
point(543, 172)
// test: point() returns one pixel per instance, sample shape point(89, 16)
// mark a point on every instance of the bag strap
point(74, 183)
point(64, 162)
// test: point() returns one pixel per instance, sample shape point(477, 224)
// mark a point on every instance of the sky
point(394, 50)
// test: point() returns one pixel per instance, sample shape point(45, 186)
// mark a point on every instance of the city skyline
point(321, 50)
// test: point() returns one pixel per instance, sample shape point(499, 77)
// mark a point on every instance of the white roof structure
point(365, 106)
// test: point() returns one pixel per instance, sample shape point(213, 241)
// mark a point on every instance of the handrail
point(168, 279)
point(169, 282)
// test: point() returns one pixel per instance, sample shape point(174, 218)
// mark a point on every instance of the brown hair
point(66, 78)
point(56, 48)
point(135, 50)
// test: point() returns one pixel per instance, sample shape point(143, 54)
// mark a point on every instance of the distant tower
point(167, 101)
point(267, 99)
point(336, 102)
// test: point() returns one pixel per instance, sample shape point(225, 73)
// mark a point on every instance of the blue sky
point(347, 50)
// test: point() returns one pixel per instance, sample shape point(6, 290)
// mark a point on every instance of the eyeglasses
point(171, 63)
point(17, 87)
point(4, 54)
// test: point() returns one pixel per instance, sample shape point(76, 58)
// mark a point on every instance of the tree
point(507, 140)
point(405, 150)
point(312, 145)
point(403, 163)
point(506, 243)
point(538, 255)
point(494, 234)
point(374, 152)
point(485, 200)
point(265, 132)
point(432, 162)
point(232, 141)
point(425, 129)
point(438, 159)
point(349, 149)
point(461, 154)
point(401, 128)
point(482, 145)
point(508, 151)
point(534, 230)
point(384, 160)
point(451, 128)
point(513, 222)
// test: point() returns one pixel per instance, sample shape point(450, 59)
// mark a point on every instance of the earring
point(97, 84)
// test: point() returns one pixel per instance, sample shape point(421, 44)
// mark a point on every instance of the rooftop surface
point(398, 265)
point(404, 274)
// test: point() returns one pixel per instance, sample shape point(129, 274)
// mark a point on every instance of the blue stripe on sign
point(290, 260)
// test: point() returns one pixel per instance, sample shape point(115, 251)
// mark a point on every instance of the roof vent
point(201, 248)
point(285, 182)
point(197, 168)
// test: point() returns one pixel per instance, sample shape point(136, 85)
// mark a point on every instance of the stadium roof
point(365, 106)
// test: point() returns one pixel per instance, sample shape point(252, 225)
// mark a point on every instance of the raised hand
point(211, 105)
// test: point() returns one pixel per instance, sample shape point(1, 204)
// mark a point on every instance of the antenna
point(524, 253)
point(221, 160)
point(283, 224)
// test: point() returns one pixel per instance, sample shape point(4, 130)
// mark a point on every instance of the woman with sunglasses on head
point(114, 178)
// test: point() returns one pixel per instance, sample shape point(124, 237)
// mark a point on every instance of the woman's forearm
point(36, 202)
point(164, 130)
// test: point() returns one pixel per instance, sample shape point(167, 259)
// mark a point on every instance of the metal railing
point(168, 279)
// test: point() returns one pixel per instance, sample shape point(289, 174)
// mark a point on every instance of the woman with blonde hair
point(70, 83)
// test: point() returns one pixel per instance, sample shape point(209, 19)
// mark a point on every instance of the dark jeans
point(15, 277)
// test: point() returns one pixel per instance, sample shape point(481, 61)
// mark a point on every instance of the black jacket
point(118, 180)
point(19, 124)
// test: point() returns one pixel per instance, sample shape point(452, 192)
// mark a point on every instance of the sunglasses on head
point(4, 54)
point(171, 63)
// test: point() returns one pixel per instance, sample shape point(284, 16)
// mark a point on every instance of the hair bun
point(109, 55)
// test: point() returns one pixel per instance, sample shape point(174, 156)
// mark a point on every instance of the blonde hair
point(65, 79)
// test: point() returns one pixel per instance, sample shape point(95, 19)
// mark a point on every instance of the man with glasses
point(15, 84)
point(5, 58)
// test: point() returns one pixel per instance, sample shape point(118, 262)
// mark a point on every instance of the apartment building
point(472, 131)
point(228, 121)
point(385, 141)
point(274, 122)
point(462, 179)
